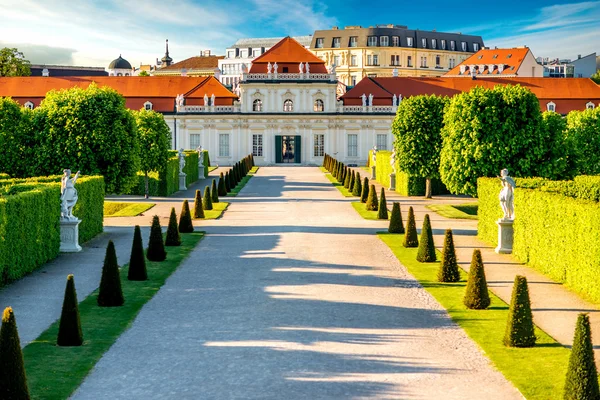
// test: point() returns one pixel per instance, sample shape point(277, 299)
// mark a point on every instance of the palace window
point(590, 106)
point(319, 150)
point(443, 43)
point(257, 145)
point(353, 61)
point(336, 43)
point(423, 62)
point(475, 46)
point(395, 41)
point(257, 105)
point(433, 43)
point(353, 80)
point(409, 61)
point(463, 46)
point(424, 43)
point(452, 45)
point(337, 60)
point(353, 41)
point(224, 145)
point(451, 63)
point(384, 41)
point(372, 60)
point(409, 42)
point(352, 145)
point(438, 62)
point(395, 60)
point(256, 53)
point(382, 141)
point(147, 106)
point(551, 106)
point(288, 106)
point(29, 105)
point(194, 140)
point(319, 43)
point(319, 106)
point(372, 41)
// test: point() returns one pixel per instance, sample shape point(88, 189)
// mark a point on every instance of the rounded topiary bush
point(156, 246)
point(372, 199)
point(448, 271)
point(214, 193)
point(364, 193)
point(476, 295)
point(520, 331)
point(396, 225)
point(69, 328)
point(207, 200)
point(426, 251)
point(382, 212)
point(411, 239)
point(221, 188)
point(110, 293)
point(173, 238)
point(137, 261)
point(198, 208)
point(13, 381)
point(185, 219)
point(582, 376)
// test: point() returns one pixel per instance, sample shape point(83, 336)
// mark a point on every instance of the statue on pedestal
point(374, 156)
point(179, 102)
point(371, 99)
point(200, 151)
point(394, 101)
point(393, 161)
point(301, 68)
point(68, 195)
point(181, 161)
point(364, 100)
point(275, 67)
point(212, 100)
point(205, 100)
point(269, 68)
point(507, 195)
point(307, 65)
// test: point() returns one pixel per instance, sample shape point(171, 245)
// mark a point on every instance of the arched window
point(147, 106)
point(319, 106)
point(119, 74)
point(28, 105)
point(257, 105)
point(590, 106)
point(288, 106)
point(551, 106)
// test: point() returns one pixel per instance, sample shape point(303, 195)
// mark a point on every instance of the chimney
point(45, 72)
point(578, 56)
point(206, 53)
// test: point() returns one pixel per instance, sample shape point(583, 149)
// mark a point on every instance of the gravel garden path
point(292, 296)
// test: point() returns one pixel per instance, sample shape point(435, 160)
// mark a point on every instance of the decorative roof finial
point(166, 59)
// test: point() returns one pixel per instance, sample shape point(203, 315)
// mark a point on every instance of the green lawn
point(234, 191)
point(216, 212)
point(211, 169)
point(457, 211)
point(335, 183)
point(361, 208)
point(55, 372)
point(538, 372)
point(116, 209)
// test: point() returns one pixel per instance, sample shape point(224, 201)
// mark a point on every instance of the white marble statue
point(200, 151)
point(307, 65)
point(179, 101)
point(507, 195)
point(364, 100)
point(374, 156)
point(275, 67)
point(212, 100)
point(269, 68)
point(68, 195)
point(393, 161)
point(370, 99)
point(332, 68)
point(181, 161)
point(205, 100)
point(301, 68)
point(394, 101)
point(399, 99)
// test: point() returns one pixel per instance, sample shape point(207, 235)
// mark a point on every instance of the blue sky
point(93, 32)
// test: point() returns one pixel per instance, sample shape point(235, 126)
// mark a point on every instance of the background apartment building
point(377, 51)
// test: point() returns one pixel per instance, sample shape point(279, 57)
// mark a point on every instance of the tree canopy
point(582, 131)
point(596, 77)
point(16, 138)
point(13, 63)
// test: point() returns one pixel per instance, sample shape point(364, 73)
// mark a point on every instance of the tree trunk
point(146, 195)
point(428, 188)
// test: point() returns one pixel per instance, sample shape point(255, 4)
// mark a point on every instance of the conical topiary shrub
point(221, 188)
point(426, 251)
point(347, 178)
point(13, 382)
point(110, 293)
point(173, 238)
point(69, 329)
point(372, 199)
point(448, 271)
point(396, 225)
point(582, 376)
point(207, 201)
point(185, 220)
point(227, 180)
point(382, 211)
point(198, 208)
point(476, 295)
point(230, 179)
point(519, 327)
point(364, 193)
point(357, 188)
point(137, 261)
point(214, 193)
point(156, 246)
point(352, 180)
point(411, 239)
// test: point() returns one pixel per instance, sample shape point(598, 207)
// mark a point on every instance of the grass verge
point(234, 192)
point(116, 209)
point(361, 208)
point(56, 372)
point(456, 211)
point(335, 183)
point(211, 169)
point(538, 372)
point(217, 211)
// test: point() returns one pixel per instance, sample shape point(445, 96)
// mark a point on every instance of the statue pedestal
point(182, 185)
point(69, 236)
point(373, 172)
point(392, 181)
point(201, 172)
point(505, 236)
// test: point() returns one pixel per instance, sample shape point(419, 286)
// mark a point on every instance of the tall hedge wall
point(191, 167)
point(556, 230)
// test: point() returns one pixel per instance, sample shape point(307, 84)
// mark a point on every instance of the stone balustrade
point(288, 77)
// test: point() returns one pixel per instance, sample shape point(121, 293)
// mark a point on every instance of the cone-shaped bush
point(364, 193)
point(137, 261)
point(411, 239)
point(448, 271)
point(221, 188)
point(383, 211)
point(185, 219)
point(347, 178)
point(372, 199)
point(477, 296)
point(110, 293)
point(198, 208)
point(352, 180)
point(426, 251)
point(69, 329)
point(173, 238)
point(227, 186)
point(13, 382)
point(230, 181)
point(396, 225)
point(519, 327)
point(357, 188)
point(156, 246)
point(207, 200)
point(214, 192)
point(582, 377)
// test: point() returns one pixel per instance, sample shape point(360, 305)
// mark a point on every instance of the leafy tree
point(596, 77)
point(13, 63)
point(448, 271)
point(13, 381)
point(519, 327)
point(154, 138)
point(69, 330)
point(486, 130)
point(110, 293)
point(137, 261)
point(16, 139)
point(88, 130)
point(582, 376)
point(144, 73)
point(396, 225)
point(411, 239)
point(583, 132)
point(558, 162)
point(418, 140)
point(173, 238)
point(476, 295)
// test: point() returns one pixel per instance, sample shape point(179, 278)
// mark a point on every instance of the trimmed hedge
point(556, 229)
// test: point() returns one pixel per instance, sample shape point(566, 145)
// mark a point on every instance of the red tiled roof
point(288, 53)
point(204, 62)
point(511, 59)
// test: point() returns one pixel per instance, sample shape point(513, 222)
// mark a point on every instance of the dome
point(119, 63)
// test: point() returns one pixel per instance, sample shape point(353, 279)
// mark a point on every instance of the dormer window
point(433, 43)
point(463, 46)
point(319, 106)
point(509, 56)
point(409, 42)
point(551, 107)
point(475, 46)
point(443, 43)
point(372, 41)
point(384, 41)
point(288, 106)
point(424, 43)
point(336, 43)
point(495, 56)
point(147, 106)
point(29, 105)
point(257, 105)
point(500, 68)
point(590, 106)
point(452, 45)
